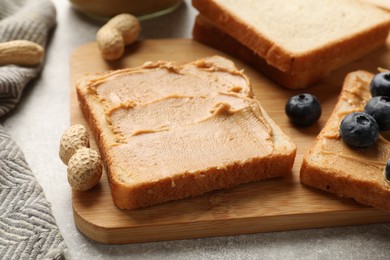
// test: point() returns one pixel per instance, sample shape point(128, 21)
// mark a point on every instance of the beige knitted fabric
point(28, 20)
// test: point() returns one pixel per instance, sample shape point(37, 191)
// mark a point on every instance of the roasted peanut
point(84, 169)
point(74, 138)
point(120, 31)
point(21, 52)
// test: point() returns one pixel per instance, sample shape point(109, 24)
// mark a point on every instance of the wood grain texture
point(272, 205)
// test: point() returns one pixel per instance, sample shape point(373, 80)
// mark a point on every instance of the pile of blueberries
point(357, 129)
point(361, 129)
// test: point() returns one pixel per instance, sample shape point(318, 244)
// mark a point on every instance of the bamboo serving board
point(272, 205)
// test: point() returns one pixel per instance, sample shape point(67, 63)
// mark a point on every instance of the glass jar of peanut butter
point(143, 9)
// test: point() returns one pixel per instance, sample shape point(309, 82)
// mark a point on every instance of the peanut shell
point(74, 138)
point(84, 169)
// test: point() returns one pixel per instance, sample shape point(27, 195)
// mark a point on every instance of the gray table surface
point(43, 115)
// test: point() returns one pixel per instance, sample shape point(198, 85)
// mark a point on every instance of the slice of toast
point(346, 171)
point(296, 37)
point(169, 131)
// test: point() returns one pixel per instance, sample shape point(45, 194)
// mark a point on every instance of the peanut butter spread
point(367, 162)
point(172, 119)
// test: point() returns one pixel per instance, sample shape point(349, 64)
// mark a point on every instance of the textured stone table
point(42, 116)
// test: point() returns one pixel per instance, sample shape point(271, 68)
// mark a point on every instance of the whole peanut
point(84, 169)
point(118, 32)
point(21, 52)
point(74, 138)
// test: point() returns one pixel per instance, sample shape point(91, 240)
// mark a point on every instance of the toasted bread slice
point(169, 131)
point(346, 171)
point(295, 37)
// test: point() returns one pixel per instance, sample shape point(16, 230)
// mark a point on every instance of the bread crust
point(345, 187)
point(187, 184)
point(312, 64)
point(319, 169)
point(192, 184)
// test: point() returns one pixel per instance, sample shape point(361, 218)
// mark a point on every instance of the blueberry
point(387, 171)
point(303, 109)
point(359, 129)
point(379, 108)
point(380, 84)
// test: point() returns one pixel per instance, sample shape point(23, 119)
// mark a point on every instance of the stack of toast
point(294, 43)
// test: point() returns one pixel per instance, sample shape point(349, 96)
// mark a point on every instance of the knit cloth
point(22, 20)
point(27, 227)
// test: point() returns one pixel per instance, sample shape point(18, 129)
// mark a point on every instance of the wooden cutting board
point(273, 205)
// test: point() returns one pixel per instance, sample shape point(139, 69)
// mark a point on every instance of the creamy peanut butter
point(338, 155)
point(162, 79)
point(170, 119)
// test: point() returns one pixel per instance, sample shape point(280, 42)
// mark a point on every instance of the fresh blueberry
point(379, 108)
point(387, 171)
point(303, 109)
point(359, 129)
point(380, 84)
